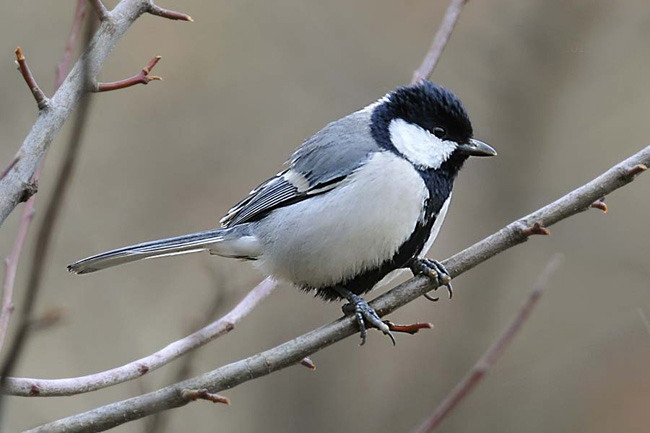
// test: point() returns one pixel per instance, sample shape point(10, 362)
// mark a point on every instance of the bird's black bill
point(477, 148)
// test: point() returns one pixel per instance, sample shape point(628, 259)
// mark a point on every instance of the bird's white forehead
point(418, 145)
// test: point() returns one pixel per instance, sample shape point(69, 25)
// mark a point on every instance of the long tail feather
point(191, 243)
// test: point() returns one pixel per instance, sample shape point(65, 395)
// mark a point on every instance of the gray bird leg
point(363, 313)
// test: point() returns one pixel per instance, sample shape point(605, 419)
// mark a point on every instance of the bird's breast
point(332, 237)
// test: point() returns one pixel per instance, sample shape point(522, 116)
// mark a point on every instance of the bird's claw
point(435, 271)
point(365, 314)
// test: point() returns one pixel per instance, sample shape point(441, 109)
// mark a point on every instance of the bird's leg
point(434, 270)
point(363, 313)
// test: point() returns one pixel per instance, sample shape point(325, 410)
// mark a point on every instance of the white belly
point(358, 225)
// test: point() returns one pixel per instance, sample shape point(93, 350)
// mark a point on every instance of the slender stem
point(64, 102)
point(439, 41)
point(490, 357)
point(28, 387)
point(27, 217)
point(46, 231)
point(11, 267)
point(38, 94)
point(100, 9)
point(64, 66)
point(169, 14)
point(11, 164)
point(142, 77)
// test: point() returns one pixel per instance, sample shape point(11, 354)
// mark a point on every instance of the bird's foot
point(434, 270)
point(364, 313)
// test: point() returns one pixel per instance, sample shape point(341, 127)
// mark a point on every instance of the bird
point(360, 201)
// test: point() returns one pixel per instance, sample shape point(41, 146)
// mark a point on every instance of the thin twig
point(644, 319)
point(142, 77)
point(158, 422)
point(133, 370)
point(64, 102)
point(480, 369)
point(39, 96)
point(412, 329)
point(293, 351)
point(100, 9)
point(169, 14)
point(46, 231)
point(63, 68)
point(11, 266)
point(11, 164)
point(439, 41)
point(27, 217)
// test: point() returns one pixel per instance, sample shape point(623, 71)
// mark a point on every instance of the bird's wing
point(318, 166)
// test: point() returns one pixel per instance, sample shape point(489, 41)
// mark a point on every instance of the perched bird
point(362, 198)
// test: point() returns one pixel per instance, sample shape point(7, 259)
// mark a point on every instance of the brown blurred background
point(559, 88)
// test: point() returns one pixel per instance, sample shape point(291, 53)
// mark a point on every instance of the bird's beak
point(476, 148)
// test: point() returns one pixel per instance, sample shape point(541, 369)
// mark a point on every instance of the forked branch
point(294, 351)
point(114, 25)
point(142, 77)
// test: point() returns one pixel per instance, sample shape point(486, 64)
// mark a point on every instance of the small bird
point(360, 200)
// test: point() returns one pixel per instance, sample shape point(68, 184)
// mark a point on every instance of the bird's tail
point(218, 241)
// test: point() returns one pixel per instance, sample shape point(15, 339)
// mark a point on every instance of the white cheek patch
point(418, 145)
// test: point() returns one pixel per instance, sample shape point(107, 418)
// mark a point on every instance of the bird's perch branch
point(38, 94)
point(62, 104)
point(439, 41)
point(28, 387)
point(493, 353)
point(294, 351)
point(142, 77)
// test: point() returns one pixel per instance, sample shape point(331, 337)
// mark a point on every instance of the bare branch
point(644, 319)
point(11, 266)
point(64, 102)
point(39, 96)
point(11, 164)
point(439, 41)
point(141, 78)
point(100, 9)
point(65, 64)
point(11, 262)
point(493, 353)
point(45, 232)
point(292, 352)
point(169, 14)
point(133, 370)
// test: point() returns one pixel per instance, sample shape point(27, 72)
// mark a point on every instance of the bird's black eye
point(439, 132)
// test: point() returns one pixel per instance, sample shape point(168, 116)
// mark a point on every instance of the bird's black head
point(428, 125)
